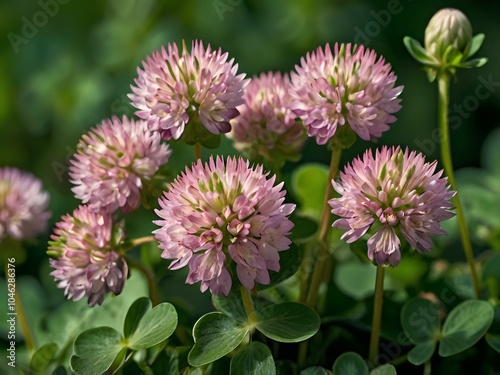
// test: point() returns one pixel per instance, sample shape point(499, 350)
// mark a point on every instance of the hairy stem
point(323, 255)
point(444, 94)
point(197, 151)
point(249, 307)
point(323, 260)
point(378, 299)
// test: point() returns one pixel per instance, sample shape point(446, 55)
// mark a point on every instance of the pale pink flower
point(112, 162)
point(83, 256)
point(218, 213)
point(174, 88)
point(395, 194)
point(23, 204)
point(266, 127)
point(351, 87)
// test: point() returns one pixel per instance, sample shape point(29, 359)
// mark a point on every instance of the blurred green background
point(68, 64)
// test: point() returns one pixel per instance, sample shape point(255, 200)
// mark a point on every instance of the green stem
point(249, 307)
point(142, 240)
point(323, 257)
point(197, 151)
point(323, 260)
point(427, 368)
point(399, 360)
point(21, 317)
point(129, 245)
point(153, 292)
point(444, 90)
point(378, 299)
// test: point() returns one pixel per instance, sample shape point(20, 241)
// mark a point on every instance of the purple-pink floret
point(112, 161)
point(174, 87)
point(23, 204)
point(222, 212)
point(395, 193)
point(351, 86)
point(84, 261)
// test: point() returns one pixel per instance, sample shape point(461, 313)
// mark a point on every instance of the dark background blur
point(68, 64)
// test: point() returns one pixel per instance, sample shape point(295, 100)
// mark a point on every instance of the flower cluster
point(351, 86)
point(266, 127)
point(176, 88)
point(394, 193)
point(221, 211)
point(23, 204)
point(83, 257)
point(112, 161)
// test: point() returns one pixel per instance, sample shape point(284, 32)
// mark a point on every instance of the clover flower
point(23, 204)
point(218, 213)
point(396, 194)
point(112, 161)
point(173, 88)
point(448, 27)
point(266, 127)
point(83, 257)
point(351, 86)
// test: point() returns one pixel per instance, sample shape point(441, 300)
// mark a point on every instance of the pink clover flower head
point(351, 86)
point(173, 87)
point(266, 127)
point(23, 204)
point(83, 258)
point(222, 212)
point(112, 162)
point(396, 194)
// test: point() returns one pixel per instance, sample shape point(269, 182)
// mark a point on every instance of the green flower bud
point(448, 27)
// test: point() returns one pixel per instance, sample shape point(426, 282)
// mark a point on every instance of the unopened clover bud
point(448, 27)
point(449, 44)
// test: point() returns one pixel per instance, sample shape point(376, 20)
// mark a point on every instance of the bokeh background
point(67, 64)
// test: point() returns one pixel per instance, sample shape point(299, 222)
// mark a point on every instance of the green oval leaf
point(384, 370)
point(350, 363)
point(309, 185)
point(464, 326)
point(288, 322)
point(421, 353)
point(95, 350)
point(253, 359)
point(491, 267)
point(42, 358)
point(215, 335)
point(155, 326)
point(476, 43)
point(135, 314)
point(493, 341)
point(303, 229)
point(420, 320)
point(417, 51)
point(231, 305)
point(315, 370)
